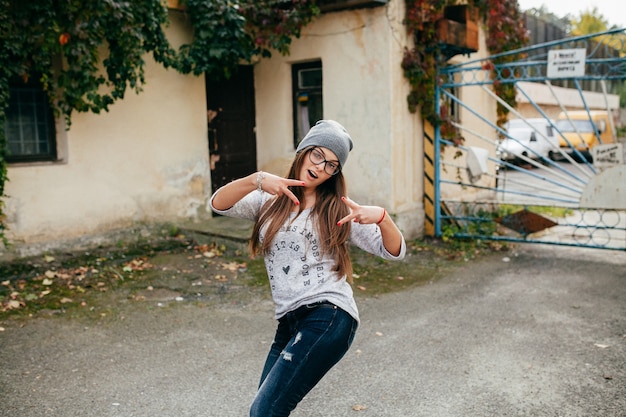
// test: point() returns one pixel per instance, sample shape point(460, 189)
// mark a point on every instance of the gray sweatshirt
point(297, 271)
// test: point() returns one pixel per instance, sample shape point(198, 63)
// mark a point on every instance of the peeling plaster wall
point(144, 160)
point(365, 90)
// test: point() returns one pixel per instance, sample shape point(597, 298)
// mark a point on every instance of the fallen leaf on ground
point(210, 251)
point(137, 265)
point(233, 266)
point(358, 407)
point(13, 304)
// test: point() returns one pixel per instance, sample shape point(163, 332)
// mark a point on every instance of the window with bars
point(30, 125)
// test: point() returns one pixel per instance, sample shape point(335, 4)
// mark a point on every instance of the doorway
point(231, 127)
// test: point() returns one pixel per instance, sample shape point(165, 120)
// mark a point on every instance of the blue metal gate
point(554, 172)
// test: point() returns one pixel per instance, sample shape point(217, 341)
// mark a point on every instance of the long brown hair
point(328, 210)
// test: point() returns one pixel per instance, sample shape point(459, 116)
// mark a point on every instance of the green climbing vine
point(88, 54)
point(505, 31)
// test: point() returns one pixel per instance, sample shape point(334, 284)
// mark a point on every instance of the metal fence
point(546, 178)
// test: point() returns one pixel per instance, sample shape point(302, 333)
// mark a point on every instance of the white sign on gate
point(566, 63)
point(607, 155)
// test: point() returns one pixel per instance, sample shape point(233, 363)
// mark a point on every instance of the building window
point(30, 125)
point(307, 97)
point(452, 110)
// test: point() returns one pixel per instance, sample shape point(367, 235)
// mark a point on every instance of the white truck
point(531, 138)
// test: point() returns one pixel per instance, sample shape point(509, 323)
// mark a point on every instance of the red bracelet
point(382, 217)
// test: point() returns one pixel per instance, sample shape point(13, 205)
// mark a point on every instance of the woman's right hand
point(275, 185)
point(231, 193)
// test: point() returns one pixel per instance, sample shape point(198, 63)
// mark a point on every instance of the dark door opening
point(231, 126)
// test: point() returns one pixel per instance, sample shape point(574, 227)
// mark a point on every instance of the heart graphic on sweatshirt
point(286, 269)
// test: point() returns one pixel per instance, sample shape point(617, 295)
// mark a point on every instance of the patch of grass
point(547, 210)
point(256, 271)
point(58, 281)
point(97, 283)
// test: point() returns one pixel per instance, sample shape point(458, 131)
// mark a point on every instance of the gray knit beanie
point(331, 135)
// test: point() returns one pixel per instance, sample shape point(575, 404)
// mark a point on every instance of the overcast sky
point(614, 11)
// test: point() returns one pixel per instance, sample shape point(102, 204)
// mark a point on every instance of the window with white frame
point(307, 97)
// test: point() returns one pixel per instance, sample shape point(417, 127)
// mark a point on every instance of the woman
point(303, 225)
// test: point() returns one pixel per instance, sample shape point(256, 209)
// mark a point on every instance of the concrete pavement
point(540, 331)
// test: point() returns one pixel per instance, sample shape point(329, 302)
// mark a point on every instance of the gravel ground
point(540, 331)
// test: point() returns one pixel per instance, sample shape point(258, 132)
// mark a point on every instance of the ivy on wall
point(88, 54)
point(504, 29)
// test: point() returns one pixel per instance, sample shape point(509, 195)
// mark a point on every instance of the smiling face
point(316, 166)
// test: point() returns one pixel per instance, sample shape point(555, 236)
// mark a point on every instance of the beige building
point(156, 156)
point(552, 100)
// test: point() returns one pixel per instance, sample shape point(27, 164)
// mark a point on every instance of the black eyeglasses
point(330, 167)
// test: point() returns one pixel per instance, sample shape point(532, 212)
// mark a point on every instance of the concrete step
point(220, 229)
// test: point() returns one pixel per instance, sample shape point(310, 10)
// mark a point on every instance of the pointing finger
point(292, 197)
point(295, 183)
point(349, 202)
point(346, 219)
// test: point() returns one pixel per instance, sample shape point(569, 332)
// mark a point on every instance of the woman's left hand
point(362, 214)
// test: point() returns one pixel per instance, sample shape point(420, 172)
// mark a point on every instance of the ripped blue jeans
point(308, 343)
